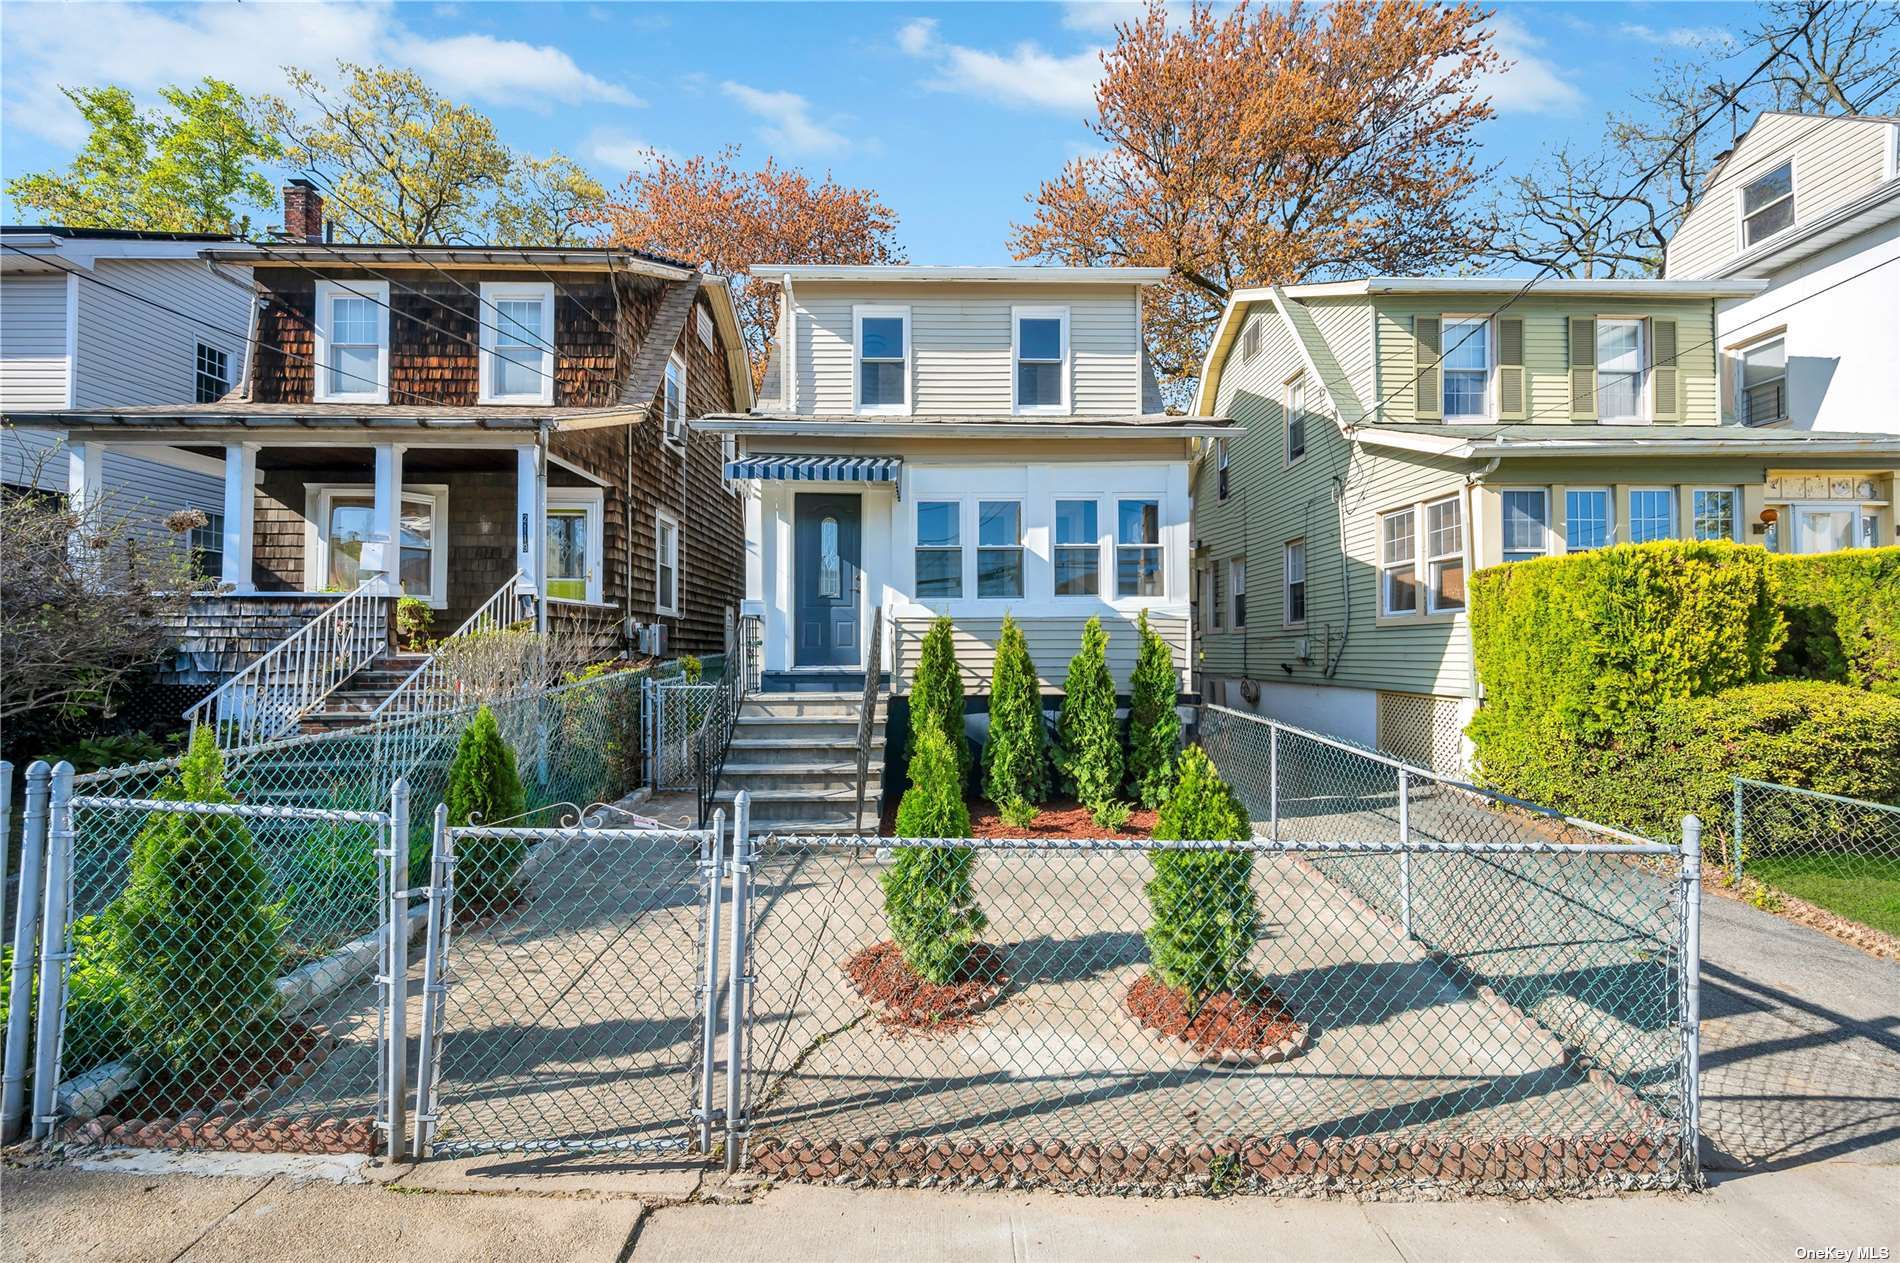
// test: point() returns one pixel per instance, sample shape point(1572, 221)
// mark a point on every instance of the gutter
point(954, 430)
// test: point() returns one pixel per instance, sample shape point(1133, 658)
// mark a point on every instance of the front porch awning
point(817, 468)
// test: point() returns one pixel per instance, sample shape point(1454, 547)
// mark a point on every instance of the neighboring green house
point(1439, 425)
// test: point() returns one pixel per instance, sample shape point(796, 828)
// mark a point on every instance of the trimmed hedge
point(1843, 612)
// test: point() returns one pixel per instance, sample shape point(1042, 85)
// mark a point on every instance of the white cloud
point(788, 120)
point(617, 153)
point(508, 70)
point(1025, 75)
point(1531, 84)
point(1680, 36)
point(918, 36)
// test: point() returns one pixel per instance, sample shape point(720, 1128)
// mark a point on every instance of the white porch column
point(388, 515)
point(85, 492)
point(240, 504)
point(526, 502)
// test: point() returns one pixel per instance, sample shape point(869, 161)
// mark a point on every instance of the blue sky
point(953, 112)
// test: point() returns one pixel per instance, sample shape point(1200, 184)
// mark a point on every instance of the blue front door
point(826, 580)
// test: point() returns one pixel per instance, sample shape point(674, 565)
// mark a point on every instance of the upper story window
point(1295, 419)
point(1250, 340)
point(1467, 367)
point(1619, 370)
point(352, 342)
point(517, 343)
point(214, 374)
point(1042, 359)
point(883, 372)
point(1221, 457)
point(1764, 383)
point(674, 407)
point(1768, 204)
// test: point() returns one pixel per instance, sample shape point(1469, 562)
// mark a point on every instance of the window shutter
point(1510, 369)
point(1583, 368)
point(1665, 378)
point(1425, 361)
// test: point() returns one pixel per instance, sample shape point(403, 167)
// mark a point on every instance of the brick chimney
point(303, 211)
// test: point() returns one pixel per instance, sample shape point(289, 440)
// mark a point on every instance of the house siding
point(131, 352)
point(33, 341)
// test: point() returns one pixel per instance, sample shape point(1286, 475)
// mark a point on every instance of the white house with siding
point(101, 318)
point(1811, 206)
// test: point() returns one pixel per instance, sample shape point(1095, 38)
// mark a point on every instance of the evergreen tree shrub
point(1843, 612)
point(484, 785)
point(197, 937)
point(936, 695)
point(1154, 726)
point(1015, 758)
point(1201, 903)
point(1088, 741)
point(928, 902)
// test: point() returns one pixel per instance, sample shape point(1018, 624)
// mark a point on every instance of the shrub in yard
point(1016, 757)
point(927, 898)
point(484, 786)
point(936, 695)
point(1154, 726)
point(1843, 612)
point(96, 1025)
point(1201, 903)
point(1088, 741)
point(197, 936)
point(413, 619)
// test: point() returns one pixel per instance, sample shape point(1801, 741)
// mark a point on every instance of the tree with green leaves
point(1016, 757)
point(1154, 725)
point(1088, 740)
point(928, 902)
point(484, 787)
point(1203, 915)
point(936, 694)
point(192, 165)
point(197, 937)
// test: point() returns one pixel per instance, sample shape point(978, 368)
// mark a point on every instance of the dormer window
point(883, 377)
point(352, 342)
point(1042, 359)
point(1768, 204)
point(517, 343)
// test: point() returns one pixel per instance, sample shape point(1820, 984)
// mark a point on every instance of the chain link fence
point(1839, 854)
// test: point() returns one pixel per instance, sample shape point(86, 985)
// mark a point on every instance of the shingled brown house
point(460, 424)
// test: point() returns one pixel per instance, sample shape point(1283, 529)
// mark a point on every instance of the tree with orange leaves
point(1271, 146)
point(712, 212)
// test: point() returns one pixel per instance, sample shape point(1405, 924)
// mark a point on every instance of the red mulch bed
point(910, 1003)
point(1225, 1022)
point(1062, 818)
point(228, 1081)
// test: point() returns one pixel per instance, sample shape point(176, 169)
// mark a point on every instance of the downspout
point(540, 539)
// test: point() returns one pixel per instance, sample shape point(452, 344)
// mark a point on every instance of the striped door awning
point(817, 468)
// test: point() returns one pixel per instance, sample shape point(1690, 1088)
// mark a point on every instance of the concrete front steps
point(796, 754)
point(352, 703)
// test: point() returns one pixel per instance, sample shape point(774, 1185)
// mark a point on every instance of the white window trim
point(1104, 565)
point(876, 312)
point(1549, 528)
point(1609, 516)
point(1643, 342)
point(1427, 558)
point(1286, 583)
point(1490, 367)
point(1762, 170)
point(1016, 316)
point(1675, 511)
point(1789, 539)
point(1223, 470)
point(492, 295)
point(378, 293)
point(592, 500)
point(1381, 566)
point(660, 559)
point(975, 510)
point(1426, 610)
point(1210, 597)
point(1735, 509)
point(1287, 458)
point(318, 497)
point(728, 452)
point(966, 551)
point(673, 429)
point(1112, 578)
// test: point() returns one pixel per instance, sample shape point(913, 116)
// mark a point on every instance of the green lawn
point(1864, 888)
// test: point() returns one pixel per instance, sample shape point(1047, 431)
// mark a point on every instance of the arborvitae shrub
point(927, 897)
point(1088, 741)
point(1154, 727)
point(936, 694)
point(1201, 903)
point(484, 786)
point(197, 937)
point(1015, 758)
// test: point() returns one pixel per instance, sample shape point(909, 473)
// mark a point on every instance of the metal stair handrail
point(268, 698)
point(713, 740)
point(867, 717)
point(429, 687)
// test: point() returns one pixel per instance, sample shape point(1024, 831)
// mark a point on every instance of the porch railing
point(435, 684)
point(712, 741)
point(268, 699)
point(867, 717)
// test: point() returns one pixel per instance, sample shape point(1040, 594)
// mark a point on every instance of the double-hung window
point(1398, 563)
point(1619, 370)
point(999, 549)
point(1221, 462)
point(1714, 512)
point(675, 399)
point(1210, 597)
point(352, 338)
point(1589, 519)
point(1764, 383)
point(939, 550)
point(1138, 548)
point(1652, 514)
point(1768, 204)
point(883, 368)
point(1042, 359)
point(1467, 367)
point(666, 563)
point(1293, 583)
point(1445, 556)
point(517, 343)
point(1078, 549)
point(1524, 515)
point(1422, 551)
point(207, 547)
point(1237, 585)
point(1295, 419)
point(213, 374)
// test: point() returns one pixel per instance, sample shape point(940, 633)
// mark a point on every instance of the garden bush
point(1088, 741)
point(197, 938)
point(928, 902)
point(1201, 903)
point(1843, 612)
point(1015, 757)
point(485, 786)
point(936, 695)
point(97, 1030)
point(1154, 726)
